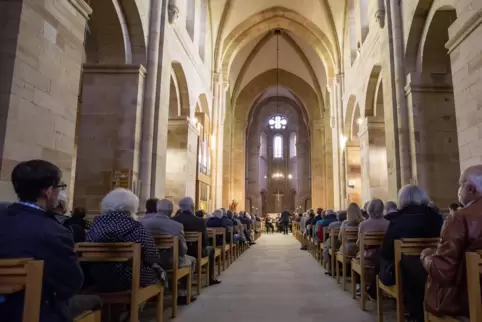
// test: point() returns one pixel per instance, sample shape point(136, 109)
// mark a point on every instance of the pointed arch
point(183, 88)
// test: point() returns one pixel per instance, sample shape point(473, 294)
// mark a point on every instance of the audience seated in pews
point(391, 210)
point(341, 217)
point(353, 220)
point(191, 223)
point(462, 232)
point(117, 223)
point(30, 230)
point(158, 222)
point(415, 219)
point(330, 217)
point(218, 220)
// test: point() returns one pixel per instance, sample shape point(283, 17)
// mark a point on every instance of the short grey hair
point(474, 177)
point(186, 204)
point(375, 209)
point(412, 195)
point(390, 206)
point(165, 206)
point(120, 200)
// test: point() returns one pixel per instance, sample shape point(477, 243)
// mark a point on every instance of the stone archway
point(431, 98)
point(110, 103)
point(235, 132)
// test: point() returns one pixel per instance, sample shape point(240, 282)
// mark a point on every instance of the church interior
point(259, 106)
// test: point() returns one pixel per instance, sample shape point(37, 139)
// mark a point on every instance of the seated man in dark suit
point(30, 230)
point(194, 224)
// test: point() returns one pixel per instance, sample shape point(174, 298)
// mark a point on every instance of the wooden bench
point(408, 247)
point(166, 242)
point(89, 316)
point(218, 257)
point(473, 267)
point(334, 232)
point(25, 275)
point(195, 238)
point(231, 244)
point(123, 253)
point(350, 235)
point(360, 267)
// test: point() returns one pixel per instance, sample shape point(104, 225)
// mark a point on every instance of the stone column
point(220, 137)
point(331, 90)
point(109, 134)
point(465, 49)
point(341, 153)
point(373, 159)
point(40, 69)
point(154, 56)
point(317, 165)
point(237, 190)
point(182, 156)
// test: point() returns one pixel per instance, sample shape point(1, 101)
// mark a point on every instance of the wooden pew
point(332, 251)
point(165, 242)
point(232, 245)
point(405, 246)
point(350, 235)
point(212, 234)
point(473, 267)
point(322, 246)
point(360, 267)
point(89, 316)
point(201, 262)
point(26, 275)
point(123, 253)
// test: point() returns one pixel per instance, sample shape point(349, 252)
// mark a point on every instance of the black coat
point(285, 216)
point(410, 222)
point(191, 223)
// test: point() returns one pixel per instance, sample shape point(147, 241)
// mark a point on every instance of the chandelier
point(278, 175)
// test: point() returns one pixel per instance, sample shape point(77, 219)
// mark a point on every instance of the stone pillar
point(237, 190)
point(353, 173)
point(465, 49)
point(318, 184)
point(341, 153)
point(109, 134)
point(373, 160)
point(154, 56)
point(222, 88)
point(335, 139)
point(182, 156)
point(40, 69)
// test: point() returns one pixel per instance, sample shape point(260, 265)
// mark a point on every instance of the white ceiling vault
point(309, 42)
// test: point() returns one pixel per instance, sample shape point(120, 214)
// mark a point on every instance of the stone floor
point(276, 282)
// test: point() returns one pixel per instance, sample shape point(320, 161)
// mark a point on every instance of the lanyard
point(31, 205)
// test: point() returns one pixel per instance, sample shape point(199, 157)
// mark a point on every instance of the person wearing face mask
point(447, 280)
point(29, 229)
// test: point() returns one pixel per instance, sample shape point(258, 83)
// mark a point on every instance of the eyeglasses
point(61, 186)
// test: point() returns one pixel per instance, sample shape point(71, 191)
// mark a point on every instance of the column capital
point(225, 85)
point(216, 77)
point(339, 78)
point(82, 7)
point(329, 83)
point(172, 11)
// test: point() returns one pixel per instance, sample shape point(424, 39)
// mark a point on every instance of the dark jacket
point(78, 227)
point(215, 222)
point(412, 222)
point(245, 221)
point(285, 216)
point(29, 232)
point(316, 219)
point(192, 223)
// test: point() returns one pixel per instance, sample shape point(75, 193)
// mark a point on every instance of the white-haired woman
point(375, 223)
point(117, 224)
point(415, 219)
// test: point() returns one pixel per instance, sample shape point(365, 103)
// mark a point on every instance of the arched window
point(278, 122)
point(263, 148)
point(292, 145)
point(278, 147)
point(191, 18)
point(202, 28)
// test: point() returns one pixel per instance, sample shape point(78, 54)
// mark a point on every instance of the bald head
point(470, 184)
point(165, 207)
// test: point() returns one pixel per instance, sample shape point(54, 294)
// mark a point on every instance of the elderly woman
point(415, 219)
point(375, 223)
point(117, 224)
point(353, 219)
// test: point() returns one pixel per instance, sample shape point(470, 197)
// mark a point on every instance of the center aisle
point(275, 281)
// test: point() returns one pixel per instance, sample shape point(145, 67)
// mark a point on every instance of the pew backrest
point(350, 236)
point(168, 242)
point(26, 275)
point(373, 239)
point(192, 237)
point(214, 232)
point(474, 270)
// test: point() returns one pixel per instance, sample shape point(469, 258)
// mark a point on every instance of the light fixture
point(277, 175)
point(290, 176)
point(213, 141)
point(359, 121)
point(343, 141)
point(351, 183)
point(266, 177)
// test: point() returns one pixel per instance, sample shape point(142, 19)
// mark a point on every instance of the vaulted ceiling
point(309, 40)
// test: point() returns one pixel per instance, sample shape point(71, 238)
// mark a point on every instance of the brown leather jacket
point(447, 280)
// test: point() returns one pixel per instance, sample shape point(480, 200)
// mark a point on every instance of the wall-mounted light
point(266, 177)
point(359, 121)
point(277, 175)
point(351, 183)
point(290, 176)
point(343, 141)
point(213, 141)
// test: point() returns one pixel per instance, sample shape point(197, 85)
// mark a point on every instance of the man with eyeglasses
point(29, 229)
point(61, 208)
